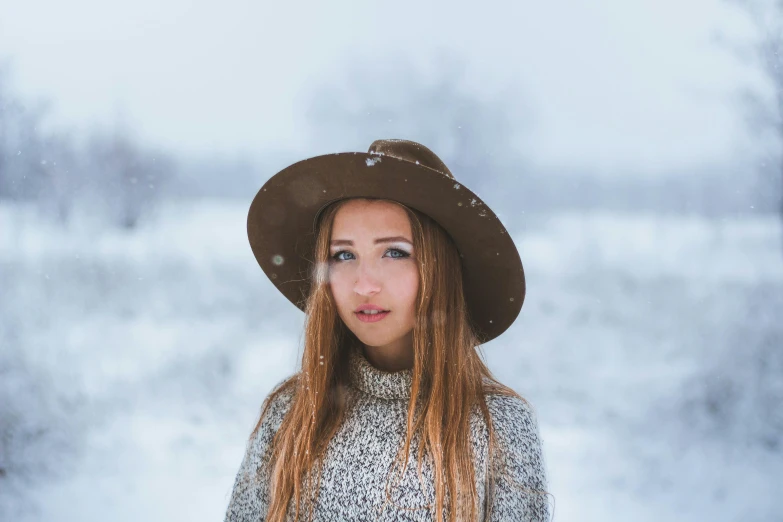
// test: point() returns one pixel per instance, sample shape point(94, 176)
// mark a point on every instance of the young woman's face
point(372, 262)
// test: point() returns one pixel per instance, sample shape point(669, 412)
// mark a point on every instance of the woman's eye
point(337, 257)
point(401, 254)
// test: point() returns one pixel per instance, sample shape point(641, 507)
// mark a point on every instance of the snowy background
point(138, 336)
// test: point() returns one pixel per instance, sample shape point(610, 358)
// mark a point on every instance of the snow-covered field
point(133, 365)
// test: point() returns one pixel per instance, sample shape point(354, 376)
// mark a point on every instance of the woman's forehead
point(371, 217)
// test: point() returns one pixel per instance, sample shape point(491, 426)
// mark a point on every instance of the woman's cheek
point(411, 286)
point(337, 276)
point(338, 285)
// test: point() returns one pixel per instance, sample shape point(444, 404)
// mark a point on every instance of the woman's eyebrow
point(394, 239)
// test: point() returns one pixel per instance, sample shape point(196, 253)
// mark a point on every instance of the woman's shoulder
point(519, 486)
point(275, 407)
point(283, 391)
point(505, 403)
point(513, 417)
point(511, 410)
point(518, 437)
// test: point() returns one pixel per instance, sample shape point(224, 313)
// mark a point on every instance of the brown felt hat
point(283, 216)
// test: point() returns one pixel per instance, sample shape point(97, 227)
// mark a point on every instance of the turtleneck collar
point(385, 385)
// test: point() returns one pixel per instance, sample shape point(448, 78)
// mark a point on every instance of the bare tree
point(474, 134)
point(766, 113)
point(125, 175)
point(62, 176)
point(20, 142)
point(51, 169)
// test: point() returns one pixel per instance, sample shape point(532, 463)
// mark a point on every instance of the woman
point(402, 273)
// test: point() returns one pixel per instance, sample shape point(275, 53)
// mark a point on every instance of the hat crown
point(411, 151)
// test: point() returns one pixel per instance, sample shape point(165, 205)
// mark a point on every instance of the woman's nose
point(367, 280)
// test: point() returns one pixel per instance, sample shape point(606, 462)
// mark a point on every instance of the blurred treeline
point(483, 139)
point(113, 176)
point(110, 174)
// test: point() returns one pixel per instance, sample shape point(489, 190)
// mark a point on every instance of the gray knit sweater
point(361, 454)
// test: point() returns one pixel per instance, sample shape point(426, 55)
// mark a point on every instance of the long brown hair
point(449, 379)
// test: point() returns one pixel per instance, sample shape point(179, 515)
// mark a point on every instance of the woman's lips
point(371, 318)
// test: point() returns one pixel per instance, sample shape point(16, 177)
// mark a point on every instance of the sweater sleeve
point(250, 495)
point(518, 485)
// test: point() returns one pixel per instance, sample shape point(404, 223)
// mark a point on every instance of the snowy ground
point(132, 365)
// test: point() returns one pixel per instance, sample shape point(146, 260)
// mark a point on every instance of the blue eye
point(336, 256)
point(402, 255)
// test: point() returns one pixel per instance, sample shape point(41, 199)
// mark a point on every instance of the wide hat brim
point(282, 218)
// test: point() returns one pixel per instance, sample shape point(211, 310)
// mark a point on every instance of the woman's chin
point(372, 341)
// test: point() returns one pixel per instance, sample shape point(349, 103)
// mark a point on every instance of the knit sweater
point(357, 467)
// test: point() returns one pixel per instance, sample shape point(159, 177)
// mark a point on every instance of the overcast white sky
point(612, 84)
